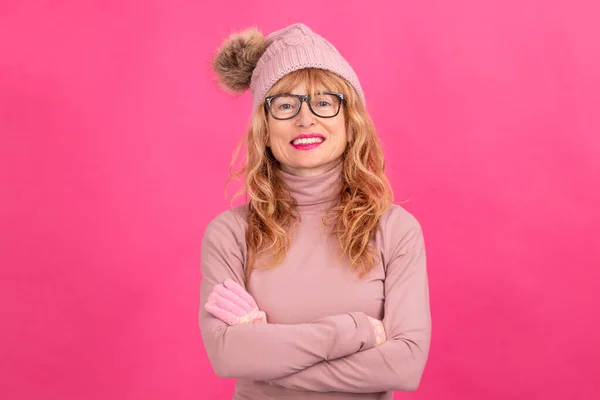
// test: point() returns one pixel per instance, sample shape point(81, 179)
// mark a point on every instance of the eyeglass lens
point(324, 105)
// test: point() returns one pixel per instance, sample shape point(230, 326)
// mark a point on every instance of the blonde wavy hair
point(365, 195)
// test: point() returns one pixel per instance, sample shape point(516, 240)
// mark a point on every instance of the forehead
point(306, 83)
point(303, 88)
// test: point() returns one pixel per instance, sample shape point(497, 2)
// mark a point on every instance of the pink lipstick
point(307, 141)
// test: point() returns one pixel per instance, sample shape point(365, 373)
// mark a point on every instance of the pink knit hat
point(249, 60)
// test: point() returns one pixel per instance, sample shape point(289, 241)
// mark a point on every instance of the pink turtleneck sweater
point(318, 343)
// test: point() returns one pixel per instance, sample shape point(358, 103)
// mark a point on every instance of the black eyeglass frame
point(303, 98)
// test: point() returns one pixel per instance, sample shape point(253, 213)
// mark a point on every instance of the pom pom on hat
point(237, 57)
point(249, 60)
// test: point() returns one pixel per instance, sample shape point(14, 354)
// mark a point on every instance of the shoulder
point(223, 248)
point(398, 228)
point(228, 224)
point(398, 219)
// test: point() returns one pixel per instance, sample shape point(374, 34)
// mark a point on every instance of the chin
point(314, 164)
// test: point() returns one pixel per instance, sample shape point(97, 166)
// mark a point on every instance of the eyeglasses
point(286, 106)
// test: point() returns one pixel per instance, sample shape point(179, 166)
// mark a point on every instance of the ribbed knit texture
point(296, 47)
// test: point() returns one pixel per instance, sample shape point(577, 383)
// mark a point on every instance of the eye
point(324, 101)
point(284, 103)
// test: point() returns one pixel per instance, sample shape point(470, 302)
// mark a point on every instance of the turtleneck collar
point(314, 194)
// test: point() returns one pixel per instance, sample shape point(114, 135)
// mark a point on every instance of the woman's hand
point(232, 304)
point(379, 330)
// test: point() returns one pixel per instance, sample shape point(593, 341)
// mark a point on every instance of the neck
point(319, 170)
point(314, 194)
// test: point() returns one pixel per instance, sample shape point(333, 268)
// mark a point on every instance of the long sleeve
point(397, 364)
point(266, 351)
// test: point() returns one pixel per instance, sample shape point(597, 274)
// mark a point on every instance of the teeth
point(307, 141)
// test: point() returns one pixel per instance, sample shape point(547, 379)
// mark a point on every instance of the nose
point(305, 117)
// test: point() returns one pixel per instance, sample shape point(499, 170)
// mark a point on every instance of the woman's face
point(319, 155)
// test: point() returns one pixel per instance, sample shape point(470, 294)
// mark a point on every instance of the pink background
point(115, 144)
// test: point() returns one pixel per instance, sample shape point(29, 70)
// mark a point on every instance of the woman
point(317, 288)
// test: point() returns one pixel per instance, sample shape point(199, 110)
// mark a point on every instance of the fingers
point(232, 304)
point(261, 318)
point(240, 291)
point(226, 304)
point(223, 315)
point(234, 298)
point(379, 331)
point(254, 317)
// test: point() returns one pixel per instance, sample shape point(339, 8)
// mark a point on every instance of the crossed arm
point(266, 351)
point(335, 353)
point(397, 364)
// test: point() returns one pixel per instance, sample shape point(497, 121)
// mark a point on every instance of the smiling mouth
point(307, 141)
point(305, 144)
